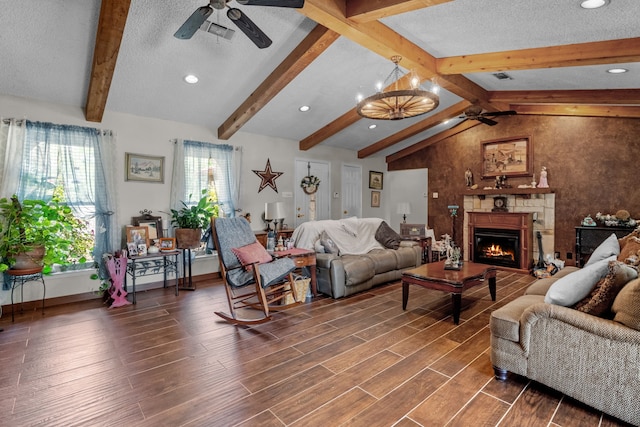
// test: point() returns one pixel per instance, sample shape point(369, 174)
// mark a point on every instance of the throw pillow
point(598, 302)
point(626, 306)
point(317, 246)
point(623, 240)
point(250, 254)
point(630, 248)
point(329, 245)
point(387, 237)
point(573, 287)
point(607, 248)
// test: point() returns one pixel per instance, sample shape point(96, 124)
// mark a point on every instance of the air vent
point(502, 76)
point(218, 30)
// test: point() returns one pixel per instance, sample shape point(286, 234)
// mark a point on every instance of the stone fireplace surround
point(541, 204)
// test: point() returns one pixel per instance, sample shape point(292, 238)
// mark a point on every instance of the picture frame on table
point(154, 223)
point(376, 180)
point(137, 235)
point(142, 249)
point(132, 249)
point(509, 157)
point(167, 244)
point(142, 167)
point(375, 199)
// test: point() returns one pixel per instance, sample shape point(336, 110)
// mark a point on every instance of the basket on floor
point(302, 288)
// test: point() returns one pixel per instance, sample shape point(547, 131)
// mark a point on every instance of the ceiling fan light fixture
point(398, 103)
point(593, 4)
point(191, 79)
point(617, 70)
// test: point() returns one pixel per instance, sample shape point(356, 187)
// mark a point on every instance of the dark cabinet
point(588, 239)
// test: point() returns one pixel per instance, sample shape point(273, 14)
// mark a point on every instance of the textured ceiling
point(47, 47)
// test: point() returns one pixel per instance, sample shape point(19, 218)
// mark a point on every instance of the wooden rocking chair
point(252, 282)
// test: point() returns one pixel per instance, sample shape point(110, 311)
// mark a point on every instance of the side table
point(302, 258)
point(19, 278)
point(146, 264)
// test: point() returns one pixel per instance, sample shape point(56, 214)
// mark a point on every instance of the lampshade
point(404, 208)
point(274, 210)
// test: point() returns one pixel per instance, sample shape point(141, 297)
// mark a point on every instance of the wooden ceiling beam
point(372, 10)
point(578, 110)
point(113, 17)
point(594, 53)
point(600, 96)
point(415, 129)
point(465, 125)
point(382, 40)
point(313, 45)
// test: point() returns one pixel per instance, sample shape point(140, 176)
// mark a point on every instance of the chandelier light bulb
point(415, 83)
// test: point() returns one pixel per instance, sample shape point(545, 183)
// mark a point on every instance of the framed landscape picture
point(508, 157)
point(140, 167)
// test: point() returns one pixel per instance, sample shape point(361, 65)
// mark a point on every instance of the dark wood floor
point(355, 361)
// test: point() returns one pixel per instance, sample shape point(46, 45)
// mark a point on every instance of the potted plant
point(36, 233)
point(190, 220)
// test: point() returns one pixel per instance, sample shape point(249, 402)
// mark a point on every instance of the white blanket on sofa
point(353, 235)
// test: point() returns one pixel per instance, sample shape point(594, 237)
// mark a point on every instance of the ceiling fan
point(474, 112)
point(242, 21)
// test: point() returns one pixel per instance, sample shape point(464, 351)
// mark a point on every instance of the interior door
point(302, 201)
point(351, 191)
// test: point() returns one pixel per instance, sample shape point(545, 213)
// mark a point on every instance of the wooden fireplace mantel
point(521, 221)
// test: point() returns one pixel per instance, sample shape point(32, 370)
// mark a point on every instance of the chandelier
point(398, 103)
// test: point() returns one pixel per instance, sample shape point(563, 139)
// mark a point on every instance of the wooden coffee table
point(434, 276)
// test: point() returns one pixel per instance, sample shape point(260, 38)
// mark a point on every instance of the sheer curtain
point(12, 133)
point(194, 164)
point(81, 159)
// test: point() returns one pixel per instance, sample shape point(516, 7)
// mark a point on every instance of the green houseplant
point(50, 227)
point(190, 220)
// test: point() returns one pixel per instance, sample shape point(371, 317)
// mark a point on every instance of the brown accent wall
point(593, 165)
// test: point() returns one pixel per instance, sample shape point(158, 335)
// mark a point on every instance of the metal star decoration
point(268, 177)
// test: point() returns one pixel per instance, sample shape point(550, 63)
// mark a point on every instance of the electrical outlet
point(434, 195)
point(569, 255)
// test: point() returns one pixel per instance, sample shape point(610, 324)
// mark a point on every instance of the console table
point(588, 239)
point(144, 265)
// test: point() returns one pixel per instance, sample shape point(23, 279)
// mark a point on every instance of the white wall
point(152, 136)
point(407, 186)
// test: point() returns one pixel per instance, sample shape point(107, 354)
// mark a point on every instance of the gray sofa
point(358, 260)
point(595, 360)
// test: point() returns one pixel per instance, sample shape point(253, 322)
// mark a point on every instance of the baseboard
point(89, 296)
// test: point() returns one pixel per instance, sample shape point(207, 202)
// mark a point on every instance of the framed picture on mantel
point(508, 157)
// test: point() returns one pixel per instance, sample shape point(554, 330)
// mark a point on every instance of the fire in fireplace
point(497, 247)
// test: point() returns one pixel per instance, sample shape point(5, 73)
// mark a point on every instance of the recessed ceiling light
point(373, 126)
point(191, 79)
point(304, 108)
point(617, 70)
point(593, 4)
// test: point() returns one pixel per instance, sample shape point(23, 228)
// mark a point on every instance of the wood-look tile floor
point(362, 361)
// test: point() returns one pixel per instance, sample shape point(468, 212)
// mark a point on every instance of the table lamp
point(404, 209)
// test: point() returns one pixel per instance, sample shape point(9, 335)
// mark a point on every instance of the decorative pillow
point(250, 254)
point(328, 244)
point(598, 302)
point(630, 248)
point(623, 240)
point(350, 225)
point(387, 237)
point(607, 248)
point(317, 246)
point(626, 306)
point(570, 289)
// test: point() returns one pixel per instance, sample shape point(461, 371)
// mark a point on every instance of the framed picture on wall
point(375, 199)
point(375, 180)
point(508, 157)
point(140, 167)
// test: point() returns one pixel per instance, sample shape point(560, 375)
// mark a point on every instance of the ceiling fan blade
point(247, 26)
point(487, 121)
point(277, 3)
point(191, 25)
point(501, 113)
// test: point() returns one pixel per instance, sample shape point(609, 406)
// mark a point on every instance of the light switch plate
point(336, 195)
point(287, 194)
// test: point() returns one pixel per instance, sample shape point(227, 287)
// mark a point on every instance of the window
point(74, 164)
point(201, 166)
